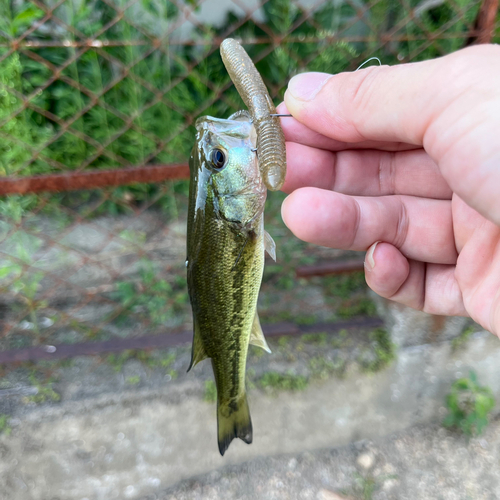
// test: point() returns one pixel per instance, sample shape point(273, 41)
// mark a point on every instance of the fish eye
point(218, 158)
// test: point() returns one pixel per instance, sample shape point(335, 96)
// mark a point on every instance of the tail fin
point(233, 420)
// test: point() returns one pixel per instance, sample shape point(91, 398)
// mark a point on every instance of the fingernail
point(369, 260)
point(306, 85)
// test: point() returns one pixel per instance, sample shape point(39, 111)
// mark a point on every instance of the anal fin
point(198, 351)
point(257, 336)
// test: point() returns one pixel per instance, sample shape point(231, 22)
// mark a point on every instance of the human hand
point(404, 162)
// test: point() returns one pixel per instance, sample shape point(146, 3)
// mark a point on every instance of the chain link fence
point(97, 104)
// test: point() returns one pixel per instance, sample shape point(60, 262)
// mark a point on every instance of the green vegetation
point(134, 380)
point(365, 487)
point(5, 428)
point(315, 338)
point(469, 406)
point(381, 353)
point(45, 393)
point(460, 341)
point(348, 293)
point(152, 297)
point(210, 391)
point(322, 368)
point(17, 274)
point(151, 359)
point(136, 125)
point(275, 381)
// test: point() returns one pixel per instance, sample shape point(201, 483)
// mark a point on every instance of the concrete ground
point(421, 463)
point(128, 431)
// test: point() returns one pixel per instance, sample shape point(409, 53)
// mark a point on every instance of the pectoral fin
point(256, 336)
point(198, 351)
point(269, 245)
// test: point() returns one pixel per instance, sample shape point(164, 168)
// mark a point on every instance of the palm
point(478, 264)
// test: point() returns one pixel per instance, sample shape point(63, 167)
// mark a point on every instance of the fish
point(226, 242)
point(270, 138)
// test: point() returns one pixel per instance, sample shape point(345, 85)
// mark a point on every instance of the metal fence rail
point(100, 97)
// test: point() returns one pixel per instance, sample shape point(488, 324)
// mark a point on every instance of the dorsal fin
point(256, 336)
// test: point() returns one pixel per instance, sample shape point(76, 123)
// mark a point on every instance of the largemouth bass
point(225, 261)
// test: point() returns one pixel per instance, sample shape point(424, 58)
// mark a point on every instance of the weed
point(460, 341)
point(118, 360)
point(382, 352)
point(210, 391)
point(134, 380)
point(5, 428)
point(283, 381)
point(365, 487)
point(321, 367)
point(315, 338)
point(45, 391)
point(344, 285)
point(19, 276)
point(147, 358)
point(284, 340)
point(153, 297)
point(357, 306)
point(341, 339)
point(469, 406)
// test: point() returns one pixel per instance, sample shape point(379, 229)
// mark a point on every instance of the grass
point(5, 428)
point(152, 297)
point(153, 359)
point(469, 406)
point(289, 381)
point(210, 391)
point(322, 368)
point(45, 393)
point(381, 352)
point(458, 342)
point(134, 380)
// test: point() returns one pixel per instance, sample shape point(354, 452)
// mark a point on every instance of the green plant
point(118, 360)
point(151, 296)
point(134, 380)
point(5, 428)
point(321, 367)
point(381, 353)
point(45, 390)
point(315, 338)
point(462, 339)
point(152, 359)
point(365, 487)
point(210, 391)
point(469, 406)
point(283, 381)
point(18, 274)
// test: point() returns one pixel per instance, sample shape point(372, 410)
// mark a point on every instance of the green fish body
point(225, 261)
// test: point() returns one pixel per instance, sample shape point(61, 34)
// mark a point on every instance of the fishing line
point(368, 60)
point(359, 67)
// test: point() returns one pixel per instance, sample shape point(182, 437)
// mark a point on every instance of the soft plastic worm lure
point(270, 138)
